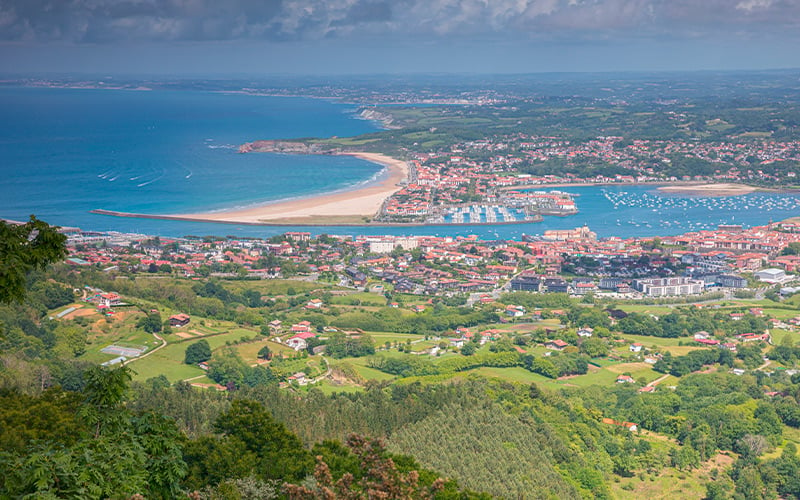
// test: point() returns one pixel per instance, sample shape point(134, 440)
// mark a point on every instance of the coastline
point(709, 189)
point(353, 206)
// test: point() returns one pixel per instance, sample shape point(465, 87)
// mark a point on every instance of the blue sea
point(64, 152)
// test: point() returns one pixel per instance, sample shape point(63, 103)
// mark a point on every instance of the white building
point(771, 275)
point(665, 287)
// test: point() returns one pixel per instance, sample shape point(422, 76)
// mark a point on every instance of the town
point(563, 261)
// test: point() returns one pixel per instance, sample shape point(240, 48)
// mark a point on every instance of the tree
point(23, 248)
point(265, 353)
point(381, 478)
point(151, 323)
point(198, 352)
point(280, 454)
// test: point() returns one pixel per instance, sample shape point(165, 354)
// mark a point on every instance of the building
point(557, 344)
point(314, 304)
point(771, 275)
point(614, 284)
point(179, 320)
point(387, 245)
point(298, 236)
point(580, 234)
point(524, 283)
point(665, 287)
point(556, 285)
point(731, 281)
point(298, 342)
point(515, 311)
point(627, 425)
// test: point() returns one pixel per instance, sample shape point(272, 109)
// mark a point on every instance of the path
point(324, 375)
point(163, 344)
point(658, 380)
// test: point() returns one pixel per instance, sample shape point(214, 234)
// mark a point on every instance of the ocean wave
point(222, 146)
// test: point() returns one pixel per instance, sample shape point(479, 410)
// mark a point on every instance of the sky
point(312, 37)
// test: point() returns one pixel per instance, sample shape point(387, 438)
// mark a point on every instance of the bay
point(64, 152)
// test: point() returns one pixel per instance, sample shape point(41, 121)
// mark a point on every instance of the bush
point(197, 353)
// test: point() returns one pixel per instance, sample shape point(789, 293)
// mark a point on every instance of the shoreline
point(709, 189)
point(346, 206)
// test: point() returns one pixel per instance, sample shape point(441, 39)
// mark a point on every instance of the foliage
point(24, 248)
point(380, 477)
point(251, 442)
point(150, 322)
point(341, 345)
point(197, 352)
point(229, 369)
point(115, 451)
point(693, 361)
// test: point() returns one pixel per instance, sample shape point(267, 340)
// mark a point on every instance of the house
point(557, 344)
point(585, 332)
point(275, 324)
point(314, 304)
point(179, 320)
point(298, 342)
point(302, 327)
point(647, 388)
point(515, 311)
point(753, 337)
point(457, 342)
point(418, 308)
point(627, 425)
point(298, 377)
point(110, 299)
point(625, 379)
point(636, 347)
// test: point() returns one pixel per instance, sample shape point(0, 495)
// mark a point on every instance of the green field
point(168, 362)
point(359, 298)
point(276, 287)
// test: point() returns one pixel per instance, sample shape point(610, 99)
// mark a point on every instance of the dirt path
point(658, 380)
point(324, 375)
point(163, 344)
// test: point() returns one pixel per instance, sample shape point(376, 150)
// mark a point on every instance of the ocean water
point(64, 152)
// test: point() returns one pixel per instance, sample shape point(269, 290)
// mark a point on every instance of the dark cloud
point(103, 21)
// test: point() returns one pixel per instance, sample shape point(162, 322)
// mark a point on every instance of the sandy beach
point(347, 206)
point(722, 189)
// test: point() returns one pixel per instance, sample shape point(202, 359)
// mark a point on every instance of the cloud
point(105, 21)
